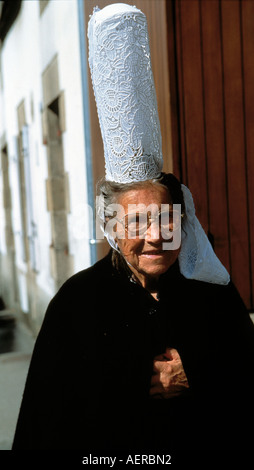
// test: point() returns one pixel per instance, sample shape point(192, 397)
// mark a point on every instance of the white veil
point(197, 259)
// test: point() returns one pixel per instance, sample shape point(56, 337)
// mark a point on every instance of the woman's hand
point(168, 379)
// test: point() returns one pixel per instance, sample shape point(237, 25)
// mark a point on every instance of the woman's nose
point(153, 232)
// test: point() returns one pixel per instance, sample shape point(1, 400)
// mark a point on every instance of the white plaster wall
point(21, 81)
point(28, 49)
point(60, 22)
point(2, 221)
point(2, 215)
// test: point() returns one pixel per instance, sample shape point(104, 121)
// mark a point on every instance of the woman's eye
point(132, 220)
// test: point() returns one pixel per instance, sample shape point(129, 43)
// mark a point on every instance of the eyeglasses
point(136, 224)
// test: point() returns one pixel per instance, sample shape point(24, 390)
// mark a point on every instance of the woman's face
point(146, 255)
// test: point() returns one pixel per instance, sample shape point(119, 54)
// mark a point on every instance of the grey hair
point(109, 191)
point(107, 195)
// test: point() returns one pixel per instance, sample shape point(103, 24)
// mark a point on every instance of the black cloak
point(89, 377)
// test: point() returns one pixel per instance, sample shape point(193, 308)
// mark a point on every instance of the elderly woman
point(132, 355)
point(151, 349)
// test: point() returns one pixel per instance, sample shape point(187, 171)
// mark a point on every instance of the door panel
point(214, 44)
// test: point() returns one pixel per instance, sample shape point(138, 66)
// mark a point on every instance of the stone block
point(57, 194)
point(62, 265)
point(55, 159)
point(50, 82)
point(59, 228)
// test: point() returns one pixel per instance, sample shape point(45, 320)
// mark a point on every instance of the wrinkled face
point(146, 255)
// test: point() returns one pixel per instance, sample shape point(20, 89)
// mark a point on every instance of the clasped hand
point(169, 378)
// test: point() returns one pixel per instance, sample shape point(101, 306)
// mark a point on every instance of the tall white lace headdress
point(120, 64)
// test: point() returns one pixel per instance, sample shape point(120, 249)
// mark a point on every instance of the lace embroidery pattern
point(120, 64)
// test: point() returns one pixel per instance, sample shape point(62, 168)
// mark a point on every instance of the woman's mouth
point(152, 253)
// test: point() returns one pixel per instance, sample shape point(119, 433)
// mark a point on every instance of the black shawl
point(88, 382)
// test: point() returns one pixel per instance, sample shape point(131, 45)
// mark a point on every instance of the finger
point(171, 354)
point(158, 396)
point(155, 379)
point(160, 357)
point(155, 391)
point(159, 366)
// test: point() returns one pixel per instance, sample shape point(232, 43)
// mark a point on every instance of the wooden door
point(212, 70)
